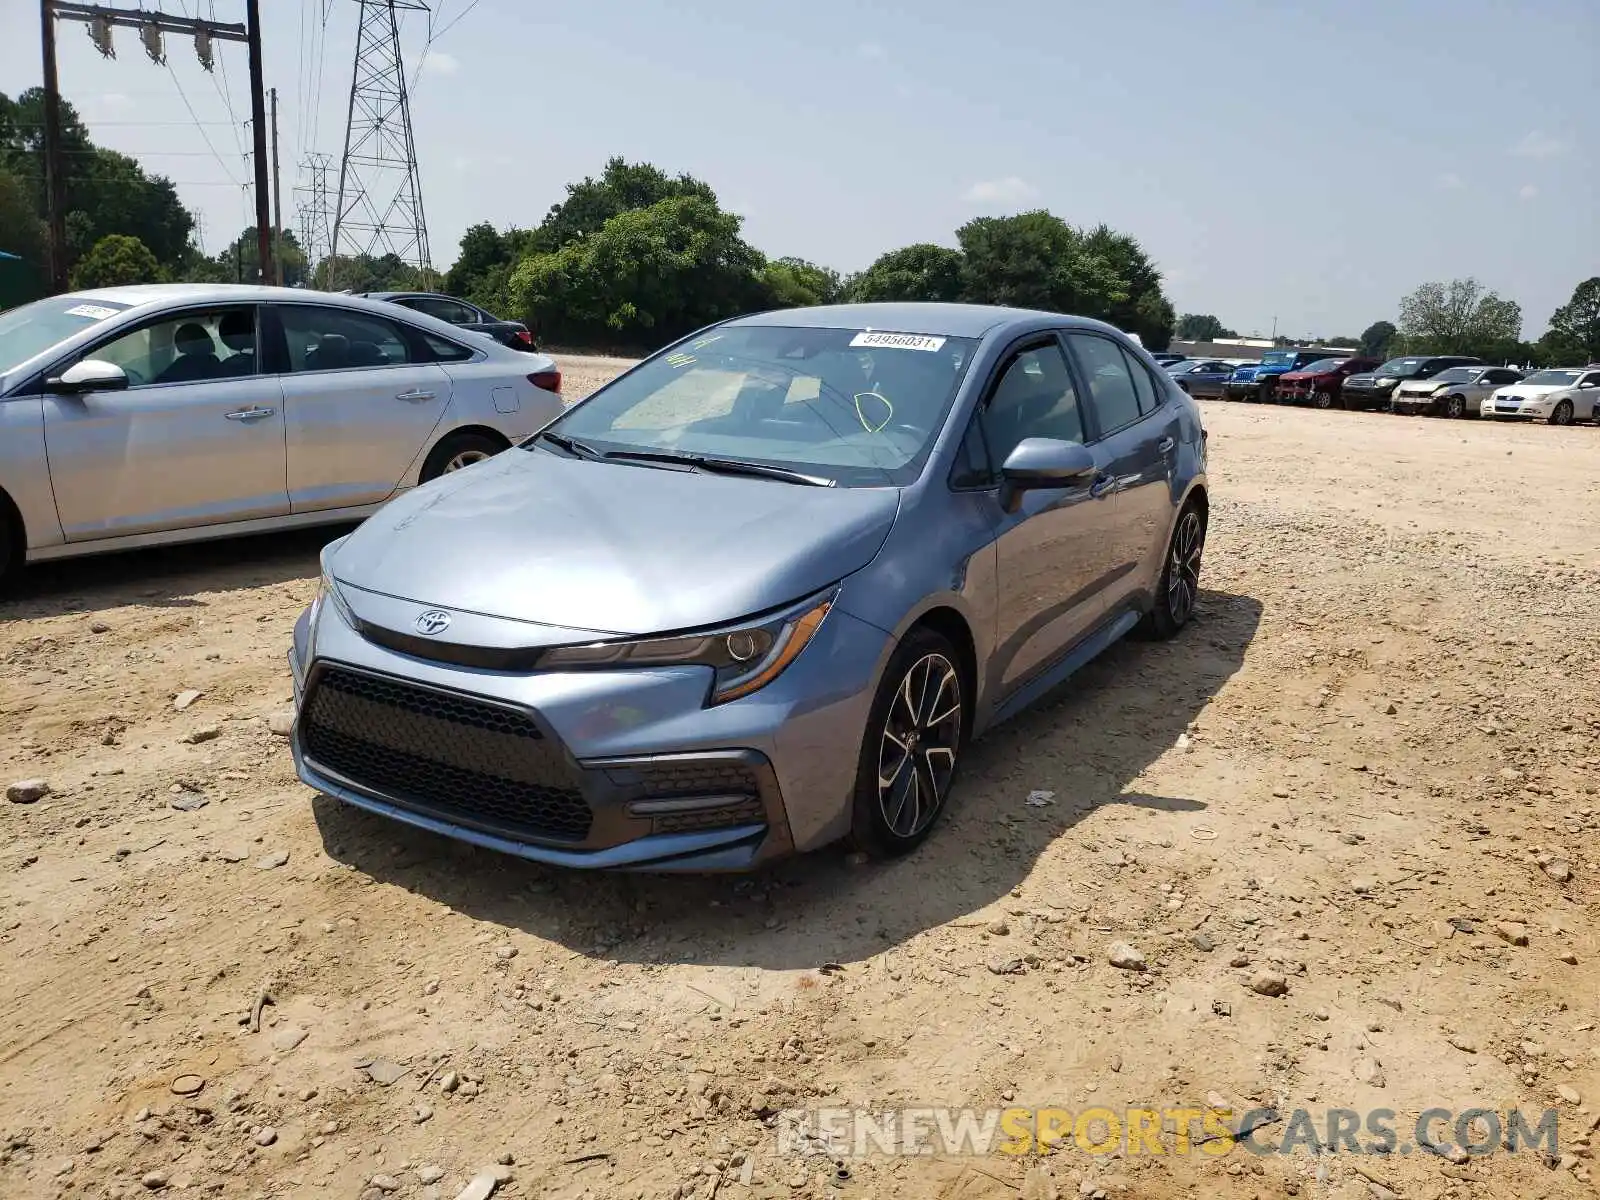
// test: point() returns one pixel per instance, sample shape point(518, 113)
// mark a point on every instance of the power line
point(204, 135)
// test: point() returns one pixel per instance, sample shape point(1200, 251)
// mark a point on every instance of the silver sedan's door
point(359, 407)
point(196, 438)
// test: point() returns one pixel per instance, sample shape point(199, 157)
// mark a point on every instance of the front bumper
point(1359, 397)
point(597, 769)
point(1241, 389)
point(1409, 402)
point(1534, 410)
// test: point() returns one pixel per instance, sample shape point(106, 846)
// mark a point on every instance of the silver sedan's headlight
point(744, 658)
point(328, 589)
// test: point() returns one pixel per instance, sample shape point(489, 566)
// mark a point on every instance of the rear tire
point(1562, 413)
point(916, 731)
point(1179, 587)
point(457, 451)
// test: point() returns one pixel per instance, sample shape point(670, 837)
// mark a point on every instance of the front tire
point(1562, 413)
point(457, 451)
point(1455, 407)
point(915, 734)
point(1323, 399)
point(1179, 587)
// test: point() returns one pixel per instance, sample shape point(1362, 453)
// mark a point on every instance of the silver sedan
point(138, 416)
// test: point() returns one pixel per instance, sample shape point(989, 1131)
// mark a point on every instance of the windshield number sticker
point(98, 311)
point(873, 340)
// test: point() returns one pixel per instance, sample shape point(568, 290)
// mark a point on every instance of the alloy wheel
point(1183, 571)
point(1563, 414)
point(1324, 399)
point(465, 459)
point(917, 755)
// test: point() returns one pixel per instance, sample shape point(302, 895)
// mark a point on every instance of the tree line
point(636, 257)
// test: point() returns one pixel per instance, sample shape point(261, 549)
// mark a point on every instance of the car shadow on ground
point(165, 576)
point(1086, 743)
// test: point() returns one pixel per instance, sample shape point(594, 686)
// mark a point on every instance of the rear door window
point(331, 339)
point(1112, 392)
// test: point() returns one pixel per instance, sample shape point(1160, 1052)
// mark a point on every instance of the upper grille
point(450, 755)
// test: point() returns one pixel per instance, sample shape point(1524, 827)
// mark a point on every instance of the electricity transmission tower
point(313, 210)
point(379, 207)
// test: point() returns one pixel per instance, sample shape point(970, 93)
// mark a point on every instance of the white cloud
point(1527, 191)
point(1537, 144)
point(1451, 181)
point(440, 63)
point(116, 101)
point(1009, 190)
point(872, 51)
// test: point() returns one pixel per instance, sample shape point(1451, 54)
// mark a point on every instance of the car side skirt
point(203, 533)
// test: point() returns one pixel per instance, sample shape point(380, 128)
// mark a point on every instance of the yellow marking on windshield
point(680, 359)
point(862, 417)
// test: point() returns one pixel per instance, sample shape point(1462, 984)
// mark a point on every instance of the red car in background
point(1322, 381)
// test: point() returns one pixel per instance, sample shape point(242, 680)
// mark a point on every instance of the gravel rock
point(385, 1183)
point(266, 1136)
point(1463, 1043)
point(1203, 942)
point(184, 699)
point(1514, 932)
point(154, 1180)
point(281, 724)
point(1569, 1094)
point(187, 1085)
point(206, 733)
point(1006, 966)
point(287, 1037)
point(999, 928)
point(1558, 869)
point(27, 791)
point(449, 1081)
point(1369, 1071)
point(188, 802)
point(481, 1187)
point(268, 862)
point(1268, 983)
point(429, 1173)
point(1125, 957)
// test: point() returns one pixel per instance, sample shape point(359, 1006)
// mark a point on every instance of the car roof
point(935, 320)
point(139, 294)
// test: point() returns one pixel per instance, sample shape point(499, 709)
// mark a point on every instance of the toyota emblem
point(435, 620)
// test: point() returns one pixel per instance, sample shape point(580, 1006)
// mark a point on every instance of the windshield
point(1553, 378)
point(1273, 358)
point(1400, 368)
point(1458, 375)
point(34, 328)
point(859, 407)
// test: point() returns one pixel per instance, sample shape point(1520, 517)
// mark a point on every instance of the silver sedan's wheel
point(1455, 407)
point(1562, 414)
point(465, 459)
point(917, 752)
point(1183, 567)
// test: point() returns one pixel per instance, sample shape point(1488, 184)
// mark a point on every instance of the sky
point(1298, 167)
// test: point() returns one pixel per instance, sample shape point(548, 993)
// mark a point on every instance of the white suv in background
point(1559, 395)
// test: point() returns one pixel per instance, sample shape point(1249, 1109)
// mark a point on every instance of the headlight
point(328, 590)
point(1386, 381)
point(744, 658)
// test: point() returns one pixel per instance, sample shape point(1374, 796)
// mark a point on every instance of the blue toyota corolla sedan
point(755, 595)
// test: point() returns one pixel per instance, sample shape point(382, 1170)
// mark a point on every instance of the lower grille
point(748, 813)
point(441, 753)
point(664, 780)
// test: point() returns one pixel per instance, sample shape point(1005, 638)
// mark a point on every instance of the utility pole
point(277, 200)
point(54, 180)
point(258, 127)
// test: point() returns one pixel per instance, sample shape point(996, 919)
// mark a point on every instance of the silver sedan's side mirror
point(90, 375)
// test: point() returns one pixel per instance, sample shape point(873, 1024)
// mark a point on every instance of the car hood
point(612, 548)
point(1531, 391)
point(1425, 385)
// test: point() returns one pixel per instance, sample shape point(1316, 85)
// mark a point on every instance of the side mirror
point(1587, 384)
point(90, 375)
point(1042, 463)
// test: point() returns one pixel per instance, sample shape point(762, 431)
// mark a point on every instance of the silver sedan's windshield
point(858, 407)
point(33, 328)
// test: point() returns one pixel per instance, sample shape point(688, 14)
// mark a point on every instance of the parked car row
point(1446, 385)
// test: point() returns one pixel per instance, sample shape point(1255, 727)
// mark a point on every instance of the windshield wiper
point(721, 466)
point(571, 445)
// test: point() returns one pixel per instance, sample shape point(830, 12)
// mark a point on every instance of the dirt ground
point(1365, 777)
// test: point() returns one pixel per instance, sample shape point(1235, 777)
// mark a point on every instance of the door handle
point(250, 414)
point(1165, 445)
point(1102, 485)
point(415, 394)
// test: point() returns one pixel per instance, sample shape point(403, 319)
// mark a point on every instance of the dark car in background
point(1165, 359)
point(1201, 376)
point(458, 312)
point(1375, 389)
point(1321, 382)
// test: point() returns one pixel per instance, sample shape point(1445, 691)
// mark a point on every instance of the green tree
point(645, 277)
point(106, 192)
point(1036, 260)
point(22, 234)
point(1202, 327)
point(240, 262)
point(366, 273)
point(1145, 311)
point(796, 283)
point(115, 260)
point(1574, 335)
point(1459, 317)
point(483, 247)
point(1377, 338)
point(622, 187)
point(919, 272)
